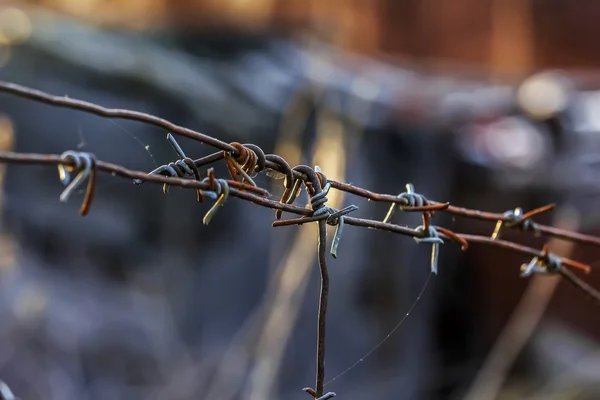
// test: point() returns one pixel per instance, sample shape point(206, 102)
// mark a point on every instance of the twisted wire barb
point(244, 160)
point(6, 393)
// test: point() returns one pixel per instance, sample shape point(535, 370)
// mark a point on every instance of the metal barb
point(85, 166)
point(64, 172)
point(337, 218)
point(176, 146)
point(549, 264)
point(327, 396)
point(178, 168)
point(289, 196)
point(5, 392)
point(182, 168)
point(235, 166)
point(515, 215)
point(518, 219)
point(531, 267)
point(334, 217)
point(220, 190)
point(414, 202)
point(432, 237)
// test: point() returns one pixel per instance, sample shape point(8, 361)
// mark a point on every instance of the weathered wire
point(67, 102)
point(84, 165)
point(245, 160)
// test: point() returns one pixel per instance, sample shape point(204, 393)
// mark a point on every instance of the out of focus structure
point(139, 300)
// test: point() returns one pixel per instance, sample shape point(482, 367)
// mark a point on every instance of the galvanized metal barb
point(329, 395)
point(431, 237)
point(219, 188)
point(321, 211)
point(417, 202)
point(332, 216)
point(177, 168)
point(412, 202)
point(246, 160)
point(5, 392)
point(547, 264)
point(84, 164)
point(517, 219)
point(184, 167)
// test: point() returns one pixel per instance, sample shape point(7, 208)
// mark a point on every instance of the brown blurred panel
point(511, 37)
point(457, 30)
point(567, 33)
point(494, 35)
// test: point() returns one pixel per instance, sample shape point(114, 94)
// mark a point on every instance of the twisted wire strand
point(66, 102)
point(248, 159)
point(273, 162)
point(547, 264)
point(84, 164)
point(221, 189)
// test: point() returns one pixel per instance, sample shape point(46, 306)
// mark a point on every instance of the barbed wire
point(245, 160)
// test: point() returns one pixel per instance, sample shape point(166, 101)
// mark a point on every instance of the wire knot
point(219, 190)
point(522, 221)
point(334, 217)
point(516, 220)
point(548, 264)
point(318, 200)
point(5, 392)
point(250, 159)
point(413, 202)
point(84, 165)
point(184, 167)
point(431, 237)
point(413, 199)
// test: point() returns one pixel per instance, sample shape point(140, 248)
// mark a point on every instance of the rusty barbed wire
point(245, 160)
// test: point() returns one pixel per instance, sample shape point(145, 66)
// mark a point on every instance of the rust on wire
point(318, 203)
point(221, 189)
point(246, 160)
point(454, 236)
point(274, 162)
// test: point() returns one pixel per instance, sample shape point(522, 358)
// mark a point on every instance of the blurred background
point(488, 104)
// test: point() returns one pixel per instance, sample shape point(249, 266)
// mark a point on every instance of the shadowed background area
point(487, 104)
